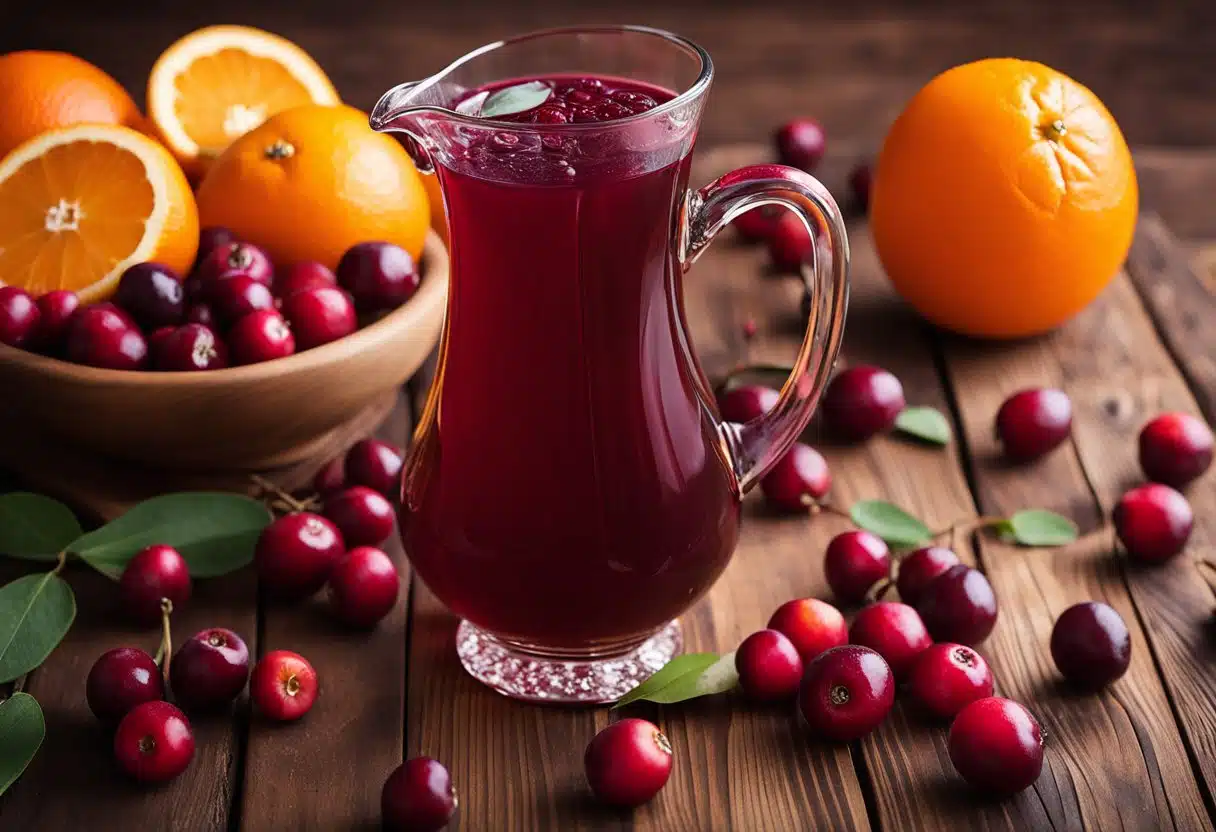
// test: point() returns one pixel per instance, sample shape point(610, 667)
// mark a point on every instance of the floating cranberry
point(769, 666)
point(855, 560)
point(550, 114)
point(331, 477)
point(296, 553)
point(152, 294)
point(958, 606)
point(1032, 422)
point(628, 762)
point(260, 336)
point(19, 317)
point(188, 348)
point(801, 143)
point(283, 685)
point(234, 297)
point(812, 625)
point(917, 569)
point(862, 401)
point(363, 587)
point(1175, 448)
point(56, 310)
point(759, 224)
point(104, 336)
point(996, 746)
point(235, 258)
point(154, 573)
point(860, 181)
point(200, 313)
point(1091, 645)
point(375, 464)
point(209, 670)
point(308, 274)
point(799, 479)
point(1153, 522)
point(894, 631)
point(636, 102)
point(211, 238)
point(947, 677)
point(154, 742)
point(790, 244)
point(364, 516)
point(746, 402)
point(119, 680)
point(418, 797)
point(846, 693)
point(319, 316)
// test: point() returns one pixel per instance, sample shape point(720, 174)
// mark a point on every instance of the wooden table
point(1141, 755)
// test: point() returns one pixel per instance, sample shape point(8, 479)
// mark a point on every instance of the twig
point(968, 525)
point(282, 501)
point(824, 508)
point(165, 653)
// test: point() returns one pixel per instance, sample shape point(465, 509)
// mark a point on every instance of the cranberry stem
point(166, 638)
point(281, 501)
point(824, 508)
point(882, 588)
point(968, 525)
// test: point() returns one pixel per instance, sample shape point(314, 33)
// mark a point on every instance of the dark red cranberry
point(759, 224)
point(283, 685)
point(235, 258)
point(550, 114)
point(855, 560)
point(363, 587)
point(232, 298)
point(1091, 645)
point(195, 290)
point(769, 666)
point(375, 464)
point(628, 763)
point(154, 742)
point(319, 316)
point(636, 102)
point(103, 336)
point(1033, 422)
point(119, 680)
point(958, 606)
point(154, 573)
point(209, 670)
point(157, 339)
point(200, 313)
point(860, 180)
point(331, 478)
point(790, 244)
point(611, 110)
point(996, 746)
point(308, 274)
point(747, 402)
point(801, 143)
point(211, 238)
point(918, 568)
point(862, 401)
point(1153, 522)
point(19, 317)
point(296, 553)
point(260, 336)
point(189, 348)
point(947, 677)
point(418, 797)
point(812, 625)
point(152, 294)
point(894, 631)
point(56, 310)
point(846, 693)
point(1175, 448)
point(799, 479)
point(378, 275)
point(364, 516)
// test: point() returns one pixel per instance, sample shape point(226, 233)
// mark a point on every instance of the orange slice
point(218, 83)
point(78, 205)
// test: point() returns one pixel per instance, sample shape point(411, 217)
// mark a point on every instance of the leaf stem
point(60, 562)
point(165, 652)
point(824, 508)
point(969, 525)
point(19, 684)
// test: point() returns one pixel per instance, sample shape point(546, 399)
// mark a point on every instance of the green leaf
point(924, 423)
point(686, 677)
point(1036, 527)
point(518, 98)
point(890, 522)
point(215, 533)
point(35, 614)
point(22, 728)
point(35, 527)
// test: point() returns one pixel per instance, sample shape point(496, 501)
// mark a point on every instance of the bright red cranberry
point(152, 294)
point(308, 274)
point(894, 631)
point(319, 316)
point(260, 336)
point(332, 477)
point(418, 797)
point(769, 666)
point(846, 693)
point(119, 680)
point(211, 238)
point(861, 402)
point(189, 348)
point(1033, 422)
point(790, 244)
point(364, 516)
point(235, 258)
point(296, 553)
point(747, 402)
point(234, 297)
point(946, 677)
point(550, 114)
point(104, 336)
point(154, 742)
point(801, 143)
point(812, 625)
point(375, 464)
point(1175, 448)
point(1153, 522)
point(363, 587)
point(154, 573)
point(759, 224)
point(860, 179)
point(283, 685)
point(200, 313)
point(1091, 645)
point(209, 670)
point(378, 275)
point(958, 606)
point(628, 762)
point(996, 745)
point(799, 478)
point(19, 317)
point(56, 310)
point(749, 329)
point(918, 568)
point(855, 560)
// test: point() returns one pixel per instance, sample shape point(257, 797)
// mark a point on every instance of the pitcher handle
point(756, 446)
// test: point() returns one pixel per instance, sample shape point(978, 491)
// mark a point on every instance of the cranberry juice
point(566, 487)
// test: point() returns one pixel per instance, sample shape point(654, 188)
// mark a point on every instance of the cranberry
point(1032, 422)
point(860, 182)
point(1175, 448)
point(550, 114)
point(1091, 645)
point(364, 516)
point(209, 670)
point(747, 402)
point(283, 685)
point(319, 316)
point(801, 143)
point(917, 569)
point(154, 573)
point(855, 561)
point(154, 742)
point(799, 478)
point(19, 317)
point(363, 587)
point(418, 797)
point(636, 102)
point(232, 298)
point(958, 605)
point(195, 290)
point(861, 402)
point(894, 631)
point(189, 348)
point(812, 625)
point(628, 762)
point(296, 553)
point(56, 310)
point(996, 745)
point(211, 238)
point(157, 339)
point(235, 258)
point(790, 244)
point(375, 464)
point(331, 477)
point(308, 274)
point(200, 313)
point(759, 224)
point(378, 275)
point(1153, 522)
point(260, 336)
point(769, 666)
point(946, 677)
point(152, 294)
point(119, 680)
point(103, 336)
point(846, 693)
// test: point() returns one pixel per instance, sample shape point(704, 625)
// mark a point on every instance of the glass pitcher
point(570, 489)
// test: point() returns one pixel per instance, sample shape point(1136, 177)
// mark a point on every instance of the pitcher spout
point(392, 111)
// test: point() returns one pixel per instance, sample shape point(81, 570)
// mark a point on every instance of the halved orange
point(218, 83)
point(78, 205)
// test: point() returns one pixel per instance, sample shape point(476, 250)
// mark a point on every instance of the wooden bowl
point(241, 418)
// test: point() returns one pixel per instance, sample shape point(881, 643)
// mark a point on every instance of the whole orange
point(40, 91)
point(311, 182)
point(1004, 199)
